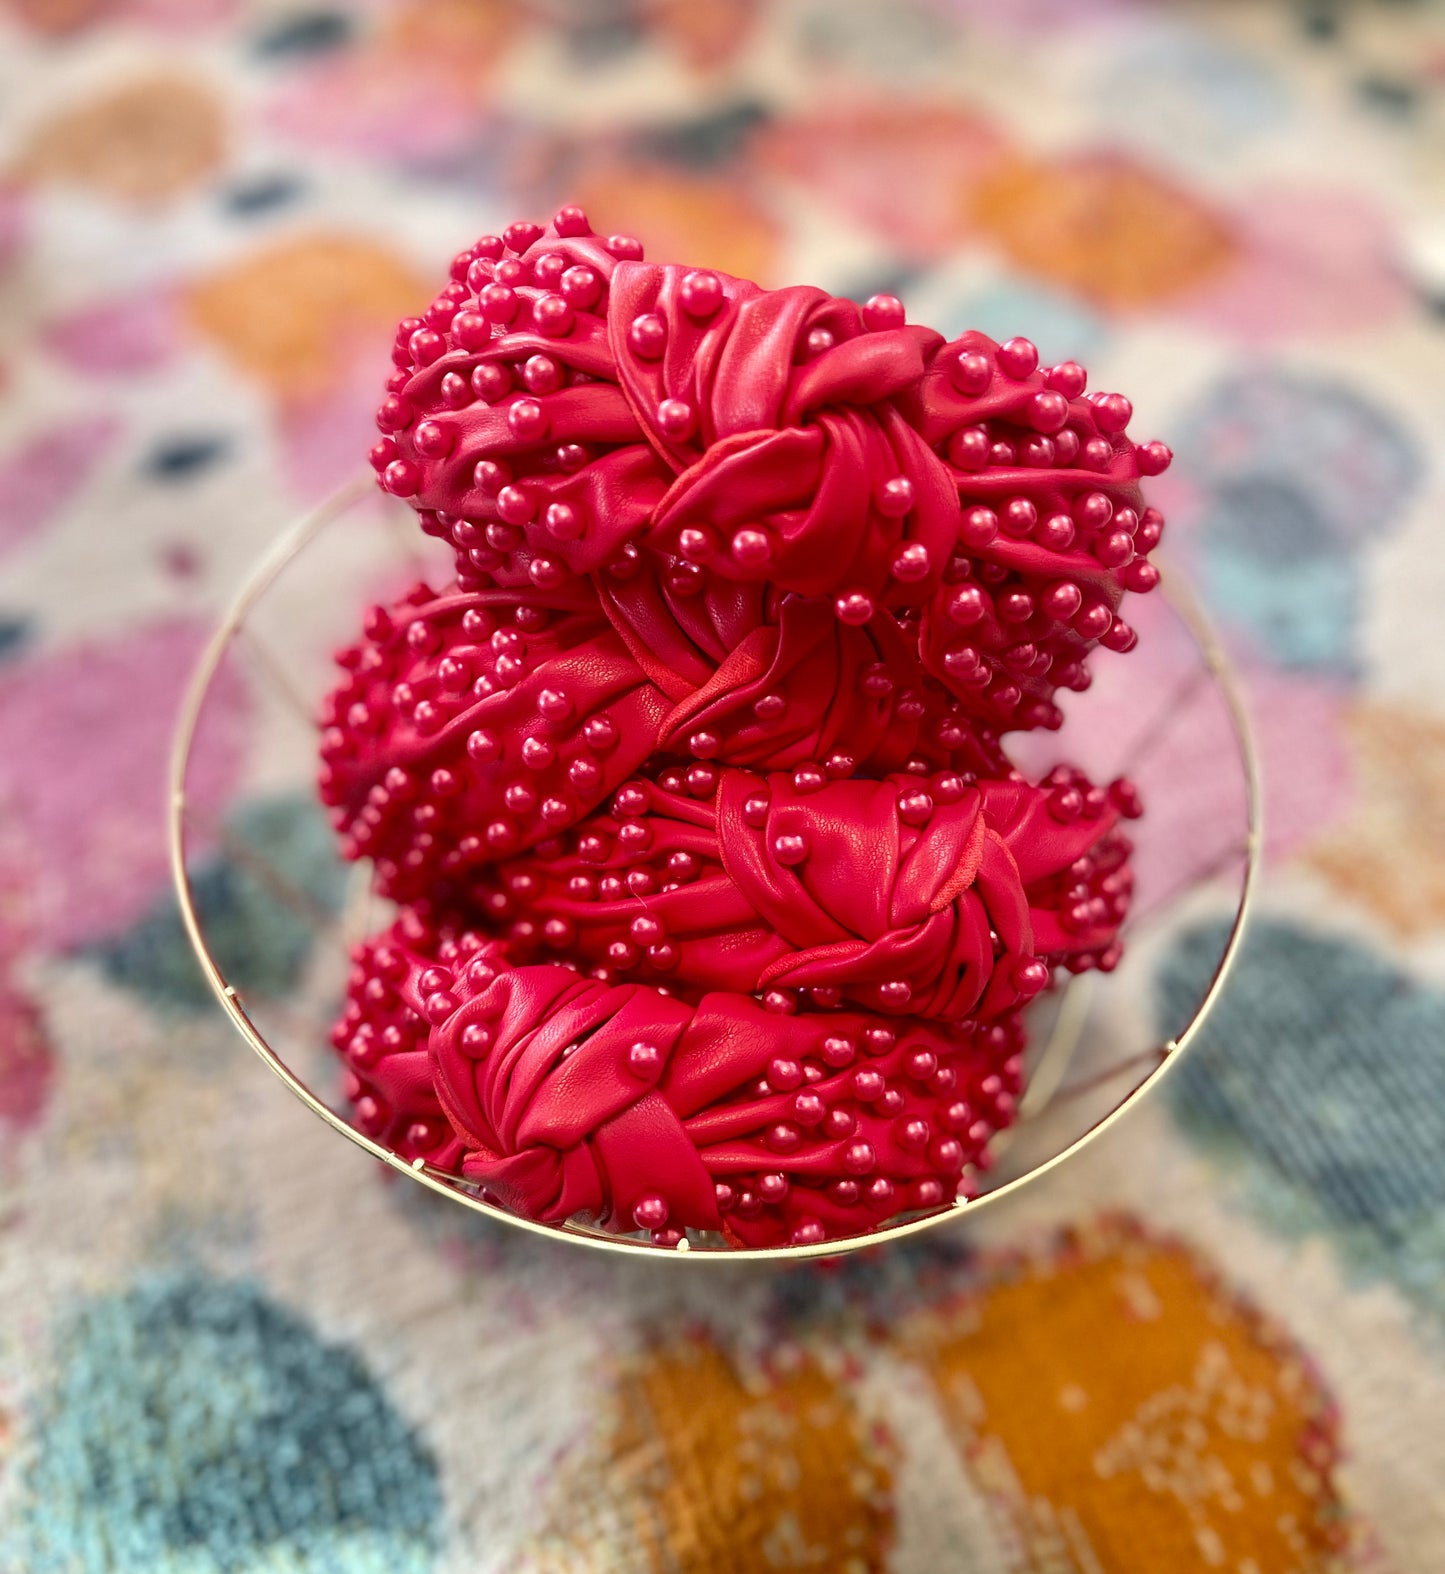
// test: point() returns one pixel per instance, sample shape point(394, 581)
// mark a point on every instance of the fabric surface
point(227, 1341)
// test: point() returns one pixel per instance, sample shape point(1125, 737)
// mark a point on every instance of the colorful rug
point(227, 1342)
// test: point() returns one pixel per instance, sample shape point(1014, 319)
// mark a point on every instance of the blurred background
point(1218, 1341)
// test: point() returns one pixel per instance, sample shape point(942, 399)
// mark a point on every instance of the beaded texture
point(721, 898)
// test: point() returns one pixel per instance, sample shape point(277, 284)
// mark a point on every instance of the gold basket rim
point(265, 572)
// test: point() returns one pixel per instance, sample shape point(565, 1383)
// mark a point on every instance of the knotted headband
point(917, 894)
point(700, 756)
point(475, 724)
point(564, 1095)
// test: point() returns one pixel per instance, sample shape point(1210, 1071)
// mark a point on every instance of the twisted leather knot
point(767, 433)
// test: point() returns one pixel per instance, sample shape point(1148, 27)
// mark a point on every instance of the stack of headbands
point(720, 899)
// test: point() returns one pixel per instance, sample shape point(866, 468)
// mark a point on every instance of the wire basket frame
point(1047, 1090)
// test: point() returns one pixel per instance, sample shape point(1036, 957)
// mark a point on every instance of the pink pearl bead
point(790, 850)
point(490, 476)
point(434, 439)
point(537, 753)
point(631, 800)
point(1113, 412)
point(1141, 576)
point(819, 340)
point(426, 346)
point(1020, 517)
point(913, 1134)
point(979, 527)
point(580, 287)
point(922, 1064)
point(1068, 378)
point(527, 420)
point(839, 1052)
point(476, 1039)
point(1048, 411)
point(868, 1084)
point(626, 248)
point(701, 293)
point(675, 419)
point(456, 391)
point(563, 522)
point(401, 478)
point(395, 414)
point(554, 316)
point(650, 1213)
point(970, 372)
point(483, 747)
point(882, 312)
point(1062, 600)
point(839, 1123)
point(644, 1059)
point(751, 548)
point(968, 448)
point(859, 1158)
point(895, 993)
point(491, 382)
point(854, 607)
point(912, 564)
point(439, 1007)
point(516, 507)
point(809, 1109)
point(698, 546)
point(1018, 358)
point(915, 807)
point(498, 303)
point(1119, 636)
point(784, 1138)
point(1056, 533)
point(519, 235)
point(471, 330)
point(807, 1232)
point(571, 220)
point(542, 375)
point(1153, 458)
point(895, 497)
point(1030, 977)
point(1094, 510)
point(1114, 549)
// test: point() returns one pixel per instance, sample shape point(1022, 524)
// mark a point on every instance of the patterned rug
point(230, 1343)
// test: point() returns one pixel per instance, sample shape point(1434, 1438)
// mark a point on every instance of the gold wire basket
point(1096, 1053)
